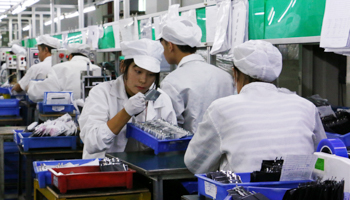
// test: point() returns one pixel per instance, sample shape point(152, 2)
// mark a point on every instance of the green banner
point(23, 43)
point(75, 37)
point(201, 20)
point(107, 41)
point(269, 19)
point(31, 43)
point(58, 36)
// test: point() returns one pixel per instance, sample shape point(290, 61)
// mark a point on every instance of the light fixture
point(55, 20)
point(3, 16)
point(18, 9)
point(89, 9)
point(29, 3)
point(26, 28)
point(48, 23)
point(71, 15)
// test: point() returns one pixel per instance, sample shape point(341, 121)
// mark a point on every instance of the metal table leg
point(2, 168)
point(29, 180)
point(158, 188)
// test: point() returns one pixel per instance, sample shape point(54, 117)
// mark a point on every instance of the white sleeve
point(203, 153)
point(37, 88)
point(95, 133)
point(24, 82)
point(176, 99)
point(318, 130)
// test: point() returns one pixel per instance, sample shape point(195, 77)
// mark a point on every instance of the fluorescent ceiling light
point(5, 6)
point(55, 20)
point(18, 10)
point(71, 15)
point(29, 3)
point(89, 9)
point(47, 23)
point(26, 28)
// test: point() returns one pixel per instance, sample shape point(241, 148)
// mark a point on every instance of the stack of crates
point(12, 166)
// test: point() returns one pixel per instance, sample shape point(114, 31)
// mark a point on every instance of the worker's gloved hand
point(135, 104)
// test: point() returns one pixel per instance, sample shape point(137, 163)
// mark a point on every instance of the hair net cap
point(145, 52)
point(78, 48)
point(181, 32)
point(258, 59)
point(18, 50)
point(49, 41)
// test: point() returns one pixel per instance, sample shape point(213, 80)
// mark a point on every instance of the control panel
point(3, 53)
point(21, 62)
point(59, 56)
point(11, 61)
point(32, 57)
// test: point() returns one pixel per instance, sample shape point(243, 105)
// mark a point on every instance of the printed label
point(55, 181)
point(57, 108)
point(320, 164)
point(210, 189)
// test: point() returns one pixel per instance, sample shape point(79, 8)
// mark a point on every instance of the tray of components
point(163, 142)
point(9, 107)
point(28, 142)
point(57, 102)
point(84, 177)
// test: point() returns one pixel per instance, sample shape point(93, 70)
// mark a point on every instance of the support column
point(30, 29)
point(41, 24)
point(52, 10)
point(10, 30)
point(19, 22)
point(347, 99)
point(116, 10)
point(81, 13)
point(58, 20)
point(126, 8)
point(33, 24)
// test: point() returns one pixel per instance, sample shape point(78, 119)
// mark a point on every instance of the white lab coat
point(193, 86)
point(104, 102)
point(37, 71)
point(261, 123)
point(63, 77)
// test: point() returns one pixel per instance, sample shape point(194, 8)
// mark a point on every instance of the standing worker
point(261, 122)
point(194, 84)
point(65, 76)
point(112, 104)
point(45, 44)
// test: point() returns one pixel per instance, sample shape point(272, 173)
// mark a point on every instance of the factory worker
point(112, 104)
point(65, 76)
point(45, 44)
point(195, 83)
point(262, 122)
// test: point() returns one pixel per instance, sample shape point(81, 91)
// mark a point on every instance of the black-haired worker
point(195, 83)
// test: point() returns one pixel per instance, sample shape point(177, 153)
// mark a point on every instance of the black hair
point(43, 46)
point(183, 48)
point(77, 54)
point(127, 64)
point(250, 79)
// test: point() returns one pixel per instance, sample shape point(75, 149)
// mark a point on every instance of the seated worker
point(195, 84)
point(45, 44)
point(110, 105)
point(262, 122)
point(65, 76)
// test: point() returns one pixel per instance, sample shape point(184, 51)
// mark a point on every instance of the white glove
point(135, 104)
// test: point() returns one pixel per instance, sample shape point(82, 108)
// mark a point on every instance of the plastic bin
point(157, 145)
point(44, 177)
point(9, 107)
point(213, 189)
point(5, 90)
point(344, 138)
point(84, 177)
point(47, 142)
point(56, 108)
point(17, 139)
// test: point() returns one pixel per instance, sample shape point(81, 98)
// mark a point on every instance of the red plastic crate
point(84, 177)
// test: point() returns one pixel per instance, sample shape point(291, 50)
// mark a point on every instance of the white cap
point(258, 59)
point(78, 48)
point(18, 50)
point(146, 53)
point(49, 41)
point(181, 32)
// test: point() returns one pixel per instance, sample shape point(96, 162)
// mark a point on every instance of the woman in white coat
point(262, 122)
point(112, 104)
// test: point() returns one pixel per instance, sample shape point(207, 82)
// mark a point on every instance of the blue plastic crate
point(17, 139)
point(213, 189)
point(59, 108)
point(5, 90)
point(157, 145)
point(44, 177)
point(47, 142)
point(344, 138)
point(9, 107)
